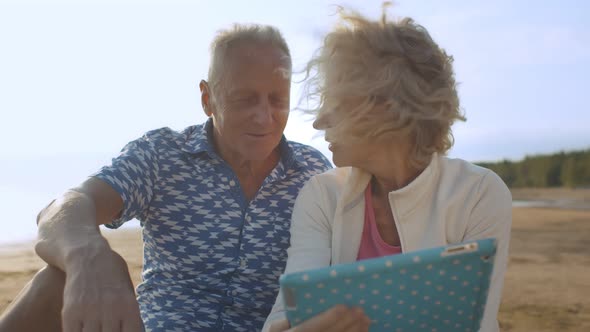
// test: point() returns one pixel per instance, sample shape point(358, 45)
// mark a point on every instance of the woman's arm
point(311, 234)
point(492, 217)
point(311, 245)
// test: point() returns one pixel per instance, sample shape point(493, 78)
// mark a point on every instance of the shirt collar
point(408, 197)
point(289, 157)
point(199, 139)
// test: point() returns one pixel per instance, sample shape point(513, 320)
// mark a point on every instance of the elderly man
point(215, 202)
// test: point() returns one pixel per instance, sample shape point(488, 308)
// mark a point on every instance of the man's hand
point(99, 296)
point(339, 318)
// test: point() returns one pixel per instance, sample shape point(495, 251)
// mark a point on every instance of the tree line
point(563, 169)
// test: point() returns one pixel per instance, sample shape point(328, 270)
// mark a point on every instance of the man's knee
point(51, 277)
point(47, 288)
point(38, 306)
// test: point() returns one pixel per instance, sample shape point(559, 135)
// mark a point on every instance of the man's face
point(252, 102)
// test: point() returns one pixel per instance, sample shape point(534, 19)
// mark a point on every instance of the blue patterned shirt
point(211, 258)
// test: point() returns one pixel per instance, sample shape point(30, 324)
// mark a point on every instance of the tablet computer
point(438, 289)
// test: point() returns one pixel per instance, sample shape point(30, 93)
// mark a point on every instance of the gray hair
point(250, 33)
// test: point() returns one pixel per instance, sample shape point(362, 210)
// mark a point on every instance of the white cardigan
point(451, 201)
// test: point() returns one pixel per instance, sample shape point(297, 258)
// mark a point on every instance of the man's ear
point(205, 97)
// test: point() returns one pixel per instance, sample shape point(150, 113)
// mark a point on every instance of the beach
point(547, 285)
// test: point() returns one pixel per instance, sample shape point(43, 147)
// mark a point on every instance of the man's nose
point(263, 114)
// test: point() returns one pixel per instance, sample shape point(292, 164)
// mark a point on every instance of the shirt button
point(232, 183)
point(242, 262)
point(248, 218)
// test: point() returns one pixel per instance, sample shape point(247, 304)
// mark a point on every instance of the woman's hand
point(339, 318)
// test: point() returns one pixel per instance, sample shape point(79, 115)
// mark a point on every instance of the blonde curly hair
point(383, 80)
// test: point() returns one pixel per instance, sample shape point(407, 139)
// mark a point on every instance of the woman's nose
point(317, 124)
point(322, 121)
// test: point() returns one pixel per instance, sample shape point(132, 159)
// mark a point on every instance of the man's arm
point(68, 227)
point(98, 294)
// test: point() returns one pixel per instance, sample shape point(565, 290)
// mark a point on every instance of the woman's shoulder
point(335, 177)
point(479, 178)
point(332, 184)
point(455, 166)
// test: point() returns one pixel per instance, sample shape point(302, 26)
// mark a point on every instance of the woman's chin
point(339, 162)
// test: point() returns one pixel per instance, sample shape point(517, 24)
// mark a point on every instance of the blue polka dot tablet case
point(439, 289)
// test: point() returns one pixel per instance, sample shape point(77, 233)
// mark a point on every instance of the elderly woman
point(387, 99)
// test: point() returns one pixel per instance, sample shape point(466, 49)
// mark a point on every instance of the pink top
point(372, 245)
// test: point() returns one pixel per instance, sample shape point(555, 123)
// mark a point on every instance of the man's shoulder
point(170, 138)
point(309, 155)
point(167, 133)
point(304, 148)
point(163, 133)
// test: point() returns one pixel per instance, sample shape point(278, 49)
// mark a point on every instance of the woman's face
point(348, 148)
point(349, 139)
point(352, 152)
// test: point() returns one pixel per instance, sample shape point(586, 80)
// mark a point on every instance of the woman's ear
point(205, 97)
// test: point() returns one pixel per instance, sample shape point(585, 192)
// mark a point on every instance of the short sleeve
point(133, 174)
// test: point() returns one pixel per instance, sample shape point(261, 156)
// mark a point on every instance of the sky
point(79, 79)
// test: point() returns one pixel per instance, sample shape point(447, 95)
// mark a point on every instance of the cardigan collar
point(407, 197)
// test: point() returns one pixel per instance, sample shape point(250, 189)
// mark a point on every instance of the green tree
point(571, 169)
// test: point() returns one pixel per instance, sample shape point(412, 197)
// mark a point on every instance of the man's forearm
point(68, 231)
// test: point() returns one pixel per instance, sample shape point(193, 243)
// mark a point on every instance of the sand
point(547, 286)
